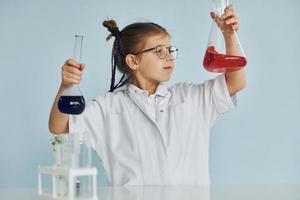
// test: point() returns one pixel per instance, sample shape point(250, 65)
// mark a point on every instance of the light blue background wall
point(256, 144)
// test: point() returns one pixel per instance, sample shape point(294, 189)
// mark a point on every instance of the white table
point(232, 192)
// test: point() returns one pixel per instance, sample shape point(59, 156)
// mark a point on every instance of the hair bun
point(112, 27)
point(110, 24)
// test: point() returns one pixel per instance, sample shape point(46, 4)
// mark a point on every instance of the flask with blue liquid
point(71, 101)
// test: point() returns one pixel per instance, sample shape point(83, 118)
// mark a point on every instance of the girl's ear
point(132, 61)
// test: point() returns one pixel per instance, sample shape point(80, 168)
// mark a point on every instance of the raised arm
point(228, 24)
point(71, 73)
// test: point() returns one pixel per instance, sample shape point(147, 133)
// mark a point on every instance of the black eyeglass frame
point(156, 51)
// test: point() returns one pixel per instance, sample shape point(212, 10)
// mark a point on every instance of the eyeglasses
point(162, 51)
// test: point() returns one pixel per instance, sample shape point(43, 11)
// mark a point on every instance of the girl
point(144, 132)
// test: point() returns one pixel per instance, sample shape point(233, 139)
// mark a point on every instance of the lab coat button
point(161, 111)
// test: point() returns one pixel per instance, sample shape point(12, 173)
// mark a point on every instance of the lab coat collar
point(161, 89)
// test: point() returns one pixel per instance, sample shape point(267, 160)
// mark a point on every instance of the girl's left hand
point(228, 22)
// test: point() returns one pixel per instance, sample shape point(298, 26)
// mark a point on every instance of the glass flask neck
point(77, 48)
point(220, 5)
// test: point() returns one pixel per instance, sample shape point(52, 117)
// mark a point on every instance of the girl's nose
point(169, 56)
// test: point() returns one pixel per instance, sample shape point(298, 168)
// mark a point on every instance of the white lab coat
point(158, 140)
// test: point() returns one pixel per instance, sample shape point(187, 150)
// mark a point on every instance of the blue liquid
point(73, 105)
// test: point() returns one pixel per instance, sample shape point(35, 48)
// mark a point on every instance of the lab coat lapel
point(141, 106)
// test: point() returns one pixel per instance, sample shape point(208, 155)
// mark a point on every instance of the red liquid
point(216, 62)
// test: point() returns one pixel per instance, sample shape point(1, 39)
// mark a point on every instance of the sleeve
point(211, 98)
point(90, 124)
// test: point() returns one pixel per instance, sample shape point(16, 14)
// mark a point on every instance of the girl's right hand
point(71, 73)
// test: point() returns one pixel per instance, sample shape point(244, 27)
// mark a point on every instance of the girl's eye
point(159, 50)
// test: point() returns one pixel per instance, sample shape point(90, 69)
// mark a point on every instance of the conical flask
point(223, 55)
point(71, 100)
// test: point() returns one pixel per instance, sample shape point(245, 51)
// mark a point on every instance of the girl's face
point(151, 67)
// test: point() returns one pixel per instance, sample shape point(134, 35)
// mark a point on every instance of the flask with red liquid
point(218, 57)
point(71, 100)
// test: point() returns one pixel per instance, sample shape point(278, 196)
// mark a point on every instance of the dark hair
point(128, 41)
